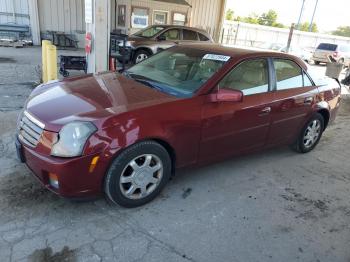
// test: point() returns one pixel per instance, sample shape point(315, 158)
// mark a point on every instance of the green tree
point(229, 14)
point(306, 25)
point(251, 19)
point(269, 18)
point(342, 31)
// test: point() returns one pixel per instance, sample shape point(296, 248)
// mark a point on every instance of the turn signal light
point(93, 164)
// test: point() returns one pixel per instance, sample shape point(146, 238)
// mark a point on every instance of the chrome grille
point(30, 129)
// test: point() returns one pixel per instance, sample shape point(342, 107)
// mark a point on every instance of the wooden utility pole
point(291, 31)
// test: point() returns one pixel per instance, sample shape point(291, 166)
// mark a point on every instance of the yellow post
point(44, 45)
point(51, 62)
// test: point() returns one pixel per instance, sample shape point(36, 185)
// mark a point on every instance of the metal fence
point(243, 34)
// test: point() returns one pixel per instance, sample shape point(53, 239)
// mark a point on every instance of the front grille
point(30, 129)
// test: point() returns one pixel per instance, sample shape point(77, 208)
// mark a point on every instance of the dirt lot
point(270, 206)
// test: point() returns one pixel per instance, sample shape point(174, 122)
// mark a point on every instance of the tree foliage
point(229, 15)
point(269, 19)
point(342, 31)
point(306, 26)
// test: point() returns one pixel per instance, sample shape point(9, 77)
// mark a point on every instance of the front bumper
point(74, 177)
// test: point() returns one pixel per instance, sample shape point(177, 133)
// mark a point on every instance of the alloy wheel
point(140, 58)
point(312, 133)
point(141, 176)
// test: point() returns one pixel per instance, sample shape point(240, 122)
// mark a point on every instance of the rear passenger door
point(293, 98)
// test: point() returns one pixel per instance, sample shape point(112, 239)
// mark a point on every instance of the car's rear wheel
point(310, 134)
point(317, 62)
point(138, 174)
point(141, 55)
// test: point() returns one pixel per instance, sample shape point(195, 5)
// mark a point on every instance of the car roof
point(240, 53)
point(183, 27)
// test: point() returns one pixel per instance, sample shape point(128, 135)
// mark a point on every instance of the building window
point(121, 15)
point(139, 17)
point(160, 17)
point(179, 18)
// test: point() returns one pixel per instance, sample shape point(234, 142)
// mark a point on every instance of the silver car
point(156, 38)
point(340, 53)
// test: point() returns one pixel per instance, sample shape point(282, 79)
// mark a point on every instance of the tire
point(317, 62)
point(300, 144)
point(141, 55)
point(123, 169)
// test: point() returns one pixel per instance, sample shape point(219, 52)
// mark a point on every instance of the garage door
point(14, 12)
point(61, 15)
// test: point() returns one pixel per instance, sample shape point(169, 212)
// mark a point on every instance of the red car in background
point(125, 134)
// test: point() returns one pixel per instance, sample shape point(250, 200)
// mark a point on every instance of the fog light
point(53, 180)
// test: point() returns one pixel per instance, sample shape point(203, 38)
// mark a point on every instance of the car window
point(288, 74)
point(150, 31)
point(172, 34)
point(344, 48)
point(250, 77)
point(307, 81)
point(203, 37)
point(328, 47)
point(189, 35)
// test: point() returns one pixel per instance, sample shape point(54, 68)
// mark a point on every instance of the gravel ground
point(270, 206)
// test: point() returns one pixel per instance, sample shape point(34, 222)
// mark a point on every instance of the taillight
point(335, 54)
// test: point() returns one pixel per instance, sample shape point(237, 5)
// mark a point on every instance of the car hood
point(90, 98)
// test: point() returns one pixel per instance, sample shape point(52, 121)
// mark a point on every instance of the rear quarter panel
point(329, 97)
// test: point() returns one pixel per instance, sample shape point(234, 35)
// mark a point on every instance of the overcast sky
point(329, 14)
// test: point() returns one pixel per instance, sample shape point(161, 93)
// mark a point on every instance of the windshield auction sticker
point(223, 58)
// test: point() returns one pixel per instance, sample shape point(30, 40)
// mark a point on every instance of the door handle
point(265, 111)
point(308, 100)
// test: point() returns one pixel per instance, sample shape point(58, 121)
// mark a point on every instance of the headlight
point(127, 44)
point(72, 139)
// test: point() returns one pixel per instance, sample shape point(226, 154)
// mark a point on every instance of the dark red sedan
point(125, 134)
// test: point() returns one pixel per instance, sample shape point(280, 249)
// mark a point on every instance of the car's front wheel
point(310, 134)
point(138, 174)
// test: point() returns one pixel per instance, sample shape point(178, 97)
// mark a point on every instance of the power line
point(313, 15)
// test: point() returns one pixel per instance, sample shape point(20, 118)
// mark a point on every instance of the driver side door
point(231, 128)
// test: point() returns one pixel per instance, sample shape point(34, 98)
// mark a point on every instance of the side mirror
point(161, 38)
point(226, 95)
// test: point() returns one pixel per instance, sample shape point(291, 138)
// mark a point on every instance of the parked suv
point(341, 53)
point(156, 38)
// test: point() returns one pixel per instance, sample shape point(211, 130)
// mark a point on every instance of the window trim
point(216, 86)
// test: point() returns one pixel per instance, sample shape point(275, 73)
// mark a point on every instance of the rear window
point(203, 37)
point(328, 47)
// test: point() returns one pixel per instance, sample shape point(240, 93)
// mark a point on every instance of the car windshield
point(150, 31)
point(178, 71)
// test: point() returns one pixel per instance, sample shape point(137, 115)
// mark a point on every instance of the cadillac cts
point(123, 135)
